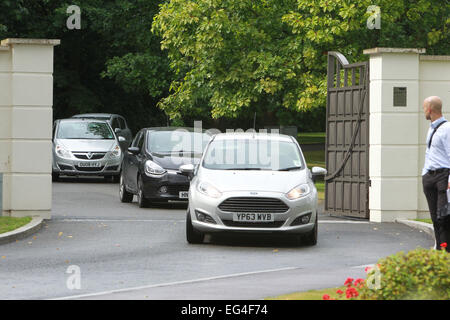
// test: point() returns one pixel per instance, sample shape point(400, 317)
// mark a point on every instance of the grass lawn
point(311, 137)
point(309, 295)
point(316, 159)
point(9, 223)
point(424, 220)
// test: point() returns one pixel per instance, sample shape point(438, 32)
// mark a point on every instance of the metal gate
point(347, 138)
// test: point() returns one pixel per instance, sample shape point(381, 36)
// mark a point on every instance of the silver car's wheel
point(310, 239)
point(124, 195)
point(193, 236)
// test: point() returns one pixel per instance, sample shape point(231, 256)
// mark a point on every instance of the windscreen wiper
point(290, 168)
point(243, 169)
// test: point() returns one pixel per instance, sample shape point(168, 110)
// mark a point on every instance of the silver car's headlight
point(63, 152)
point(299, 191)
point(116, 152)
point(153, 170)
point(208, 189)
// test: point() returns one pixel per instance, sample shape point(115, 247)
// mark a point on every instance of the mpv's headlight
point(208, 189)
point(299, 192)
point(63, 152)
point(116, 152)
point(153, 170)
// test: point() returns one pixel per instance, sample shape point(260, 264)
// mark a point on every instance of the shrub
point(419, 274)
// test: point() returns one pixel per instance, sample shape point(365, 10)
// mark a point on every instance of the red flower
point(359, 282)
point(444, 245)
point(351, 292)
point(339, 291)
point(367, 269)
point(348, 282)
point(326, 297)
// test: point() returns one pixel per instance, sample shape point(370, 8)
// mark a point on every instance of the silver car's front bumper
point(210, 206)
point(107, 166)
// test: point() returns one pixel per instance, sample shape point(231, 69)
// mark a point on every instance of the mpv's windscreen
point(255, 154)
point(177, 141)
point(84, 130)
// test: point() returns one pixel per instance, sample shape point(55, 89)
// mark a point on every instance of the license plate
point(183, 194)
point(253, 217)
point(89, 164)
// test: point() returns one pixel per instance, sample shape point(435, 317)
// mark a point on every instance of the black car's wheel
point(193, 236)
point(55, 176)
point(310, 239)
point(124, 195)
point(142, 200)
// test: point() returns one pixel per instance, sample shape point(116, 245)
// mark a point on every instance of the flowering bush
point(418, 274)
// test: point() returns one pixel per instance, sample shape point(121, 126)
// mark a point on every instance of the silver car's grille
point(253, 204)
point(89, 169)
point(89, 155)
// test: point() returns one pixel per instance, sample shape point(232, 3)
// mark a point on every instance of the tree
point(113, 64)
point(232, 56)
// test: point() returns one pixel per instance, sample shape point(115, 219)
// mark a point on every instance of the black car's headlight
point(153, 169)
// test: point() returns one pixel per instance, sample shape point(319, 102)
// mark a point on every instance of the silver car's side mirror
point(318, 171)
point(121, 139)
point(187, 169)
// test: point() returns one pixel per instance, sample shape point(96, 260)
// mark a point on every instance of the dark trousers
point(435, 189)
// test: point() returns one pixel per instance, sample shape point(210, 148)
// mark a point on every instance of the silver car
point(252, 183)
point(85, 147)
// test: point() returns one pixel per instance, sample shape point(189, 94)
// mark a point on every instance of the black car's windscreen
point(176, 141)
point(252, 154)
point(84, 130)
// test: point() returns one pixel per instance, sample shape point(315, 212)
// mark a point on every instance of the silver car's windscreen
point(84, 130)
point(177, 141)
point(252, 154)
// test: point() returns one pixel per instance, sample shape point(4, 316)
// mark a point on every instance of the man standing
point(436, 171)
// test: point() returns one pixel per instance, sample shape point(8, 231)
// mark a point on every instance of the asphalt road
point(124, 252)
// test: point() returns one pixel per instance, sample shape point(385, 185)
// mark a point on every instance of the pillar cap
point(10, 41)
point(394, 50)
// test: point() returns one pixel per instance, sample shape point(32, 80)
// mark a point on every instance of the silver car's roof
point(102, 115)
point(82, 119)
point(251, 135)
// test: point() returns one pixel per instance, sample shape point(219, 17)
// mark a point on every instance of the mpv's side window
point(115, 123)
point(122, 123)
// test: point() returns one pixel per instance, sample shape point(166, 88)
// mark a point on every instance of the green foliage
point(113, 64)
point(418, 274)
point(225, 59)
point(232, 57)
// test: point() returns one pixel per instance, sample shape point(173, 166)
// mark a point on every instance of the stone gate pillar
point(26, 99)
point(395, 135)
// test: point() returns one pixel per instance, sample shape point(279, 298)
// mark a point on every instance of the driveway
point(124, 252)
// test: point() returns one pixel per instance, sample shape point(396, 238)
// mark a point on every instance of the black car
point(150, 167)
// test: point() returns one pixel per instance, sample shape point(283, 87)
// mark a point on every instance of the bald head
point(432, 106)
